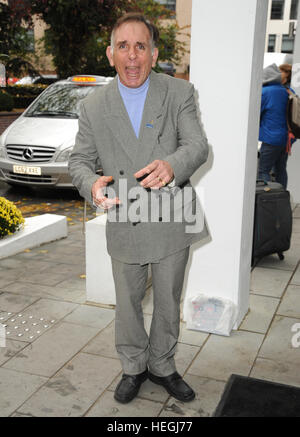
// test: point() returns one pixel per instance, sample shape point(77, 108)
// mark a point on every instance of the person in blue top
point(273, 130)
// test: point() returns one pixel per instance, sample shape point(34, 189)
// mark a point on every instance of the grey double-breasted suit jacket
point(170, 130)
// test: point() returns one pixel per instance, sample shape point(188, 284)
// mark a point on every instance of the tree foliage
point(15, 21)
point(170, 49)
point(78, 32)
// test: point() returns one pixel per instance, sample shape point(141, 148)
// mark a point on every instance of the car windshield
point(60, 101)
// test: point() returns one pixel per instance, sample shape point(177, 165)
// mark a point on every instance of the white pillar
point(99, 278)
point(227, 49)
point(293, 166)
point(100, 287)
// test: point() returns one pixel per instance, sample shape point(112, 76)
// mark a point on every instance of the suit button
point(121, 172)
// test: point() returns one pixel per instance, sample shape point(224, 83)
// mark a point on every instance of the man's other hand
point(160, 173)
point(99, 198)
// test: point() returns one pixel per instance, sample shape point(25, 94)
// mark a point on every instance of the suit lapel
point(119, 122)
point(151, 121)
point(138, 150)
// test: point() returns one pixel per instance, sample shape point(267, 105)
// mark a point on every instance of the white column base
point(100, 288)
point(37, 230)
point(99, 279)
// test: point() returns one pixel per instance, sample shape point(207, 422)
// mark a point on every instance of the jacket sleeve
point(82, 162)
point(192, 150)
point(263, 105)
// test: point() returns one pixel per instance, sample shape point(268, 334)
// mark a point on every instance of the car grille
point(24, 153)
point(43, 179)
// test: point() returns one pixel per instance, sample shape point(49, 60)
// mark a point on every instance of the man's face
point(132, 55)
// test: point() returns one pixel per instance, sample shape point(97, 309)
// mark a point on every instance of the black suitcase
point(272, 220)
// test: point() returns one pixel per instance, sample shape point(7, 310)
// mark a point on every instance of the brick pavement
point(66, 365)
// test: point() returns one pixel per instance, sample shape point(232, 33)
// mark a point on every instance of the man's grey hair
point(134, 17)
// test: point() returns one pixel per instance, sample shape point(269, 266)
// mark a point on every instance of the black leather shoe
point(129, 386)
point(175, 386)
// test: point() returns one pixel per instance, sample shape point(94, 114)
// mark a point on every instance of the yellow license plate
point(26, 169)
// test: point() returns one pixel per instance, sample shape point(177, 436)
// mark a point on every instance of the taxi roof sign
point(83, 79)
point(88, 79)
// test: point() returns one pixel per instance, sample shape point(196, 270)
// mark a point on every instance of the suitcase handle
point(261, 182)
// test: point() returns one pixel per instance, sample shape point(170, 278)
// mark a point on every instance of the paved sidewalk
point(60, 358)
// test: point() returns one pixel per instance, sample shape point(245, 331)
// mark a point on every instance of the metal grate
point(24, 153)
point(25, 327)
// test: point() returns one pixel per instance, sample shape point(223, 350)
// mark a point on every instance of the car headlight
point(2, 152)
point(64, 155)
point(2, 149)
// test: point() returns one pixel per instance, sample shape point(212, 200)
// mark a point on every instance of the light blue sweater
point(134, 100)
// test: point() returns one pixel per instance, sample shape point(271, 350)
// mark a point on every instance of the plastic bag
point(211, 314)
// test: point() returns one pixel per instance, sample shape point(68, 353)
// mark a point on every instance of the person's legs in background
point(267, 158)
point(280, 167)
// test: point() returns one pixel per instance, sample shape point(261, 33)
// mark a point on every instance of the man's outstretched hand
point(99, 198)
point(159, 172)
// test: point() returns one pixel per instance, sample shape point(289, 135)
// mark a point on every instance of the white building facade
point(280, 36)
point(281, 25)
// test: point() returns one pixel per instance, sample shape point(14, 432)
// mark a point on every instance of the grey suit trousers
point(136, 350)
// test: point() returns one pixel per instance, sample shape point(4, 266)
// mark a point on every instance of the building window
point(170, 4)
point(294, 10)
point(287, 45)
point(271, 43)
point(277, 9)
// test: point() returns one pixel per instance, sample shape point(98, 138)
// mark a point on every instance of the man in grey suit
point(144, 131)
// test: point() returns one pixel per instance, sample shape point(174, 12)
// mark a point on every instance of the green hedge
point(6, 101)
point(22, 102)
point(25, 90)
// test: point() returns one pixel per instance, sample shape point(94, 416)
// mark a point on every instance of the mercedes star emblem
point(28, 153)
